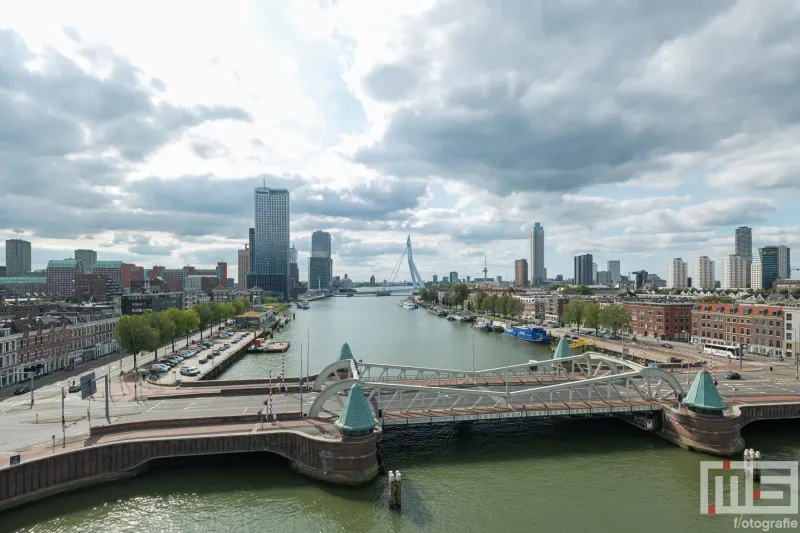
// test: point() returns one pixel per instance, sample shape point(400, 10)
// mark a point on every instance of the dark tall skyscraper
point(744, 243)
point(269, 269)
point(583, 269)
point(320, 264)
point(18, 258)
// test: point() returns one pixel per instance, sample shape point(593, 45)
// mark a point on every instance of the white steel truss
point(593, 381)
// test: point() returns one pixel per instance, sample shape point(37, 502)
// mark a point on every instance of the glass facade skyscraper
point(775, 264)
point(320, 264)
point(537, 255)
point(269, 269)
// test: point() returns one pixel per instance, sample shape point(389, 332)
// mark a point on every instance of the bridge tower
point(416, 279)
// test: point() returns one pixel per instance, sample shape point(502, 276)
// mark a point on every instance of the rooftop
point(356, 418)
point(703, 394)
point(562, 350)
point(21, 281)
point(62, 263)
point(108, 264)
point(252, 314)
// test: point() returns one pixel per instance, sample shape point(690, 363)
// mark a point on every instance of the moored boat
point(482, 324)
point(528, 334)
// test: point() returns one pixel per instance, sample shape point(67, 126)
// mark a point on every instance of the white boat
point(482, 324)
point(409, 304)
point(303, 305)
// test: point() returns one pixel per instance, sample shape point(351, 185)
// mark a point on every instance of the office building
point(88, 258)
point(775, 265)
point(757, 329)
point(583, 270)
point(733, 272)
point(435, 278)
point(269, 269)
point(136, 304)
point(744, 242)
point(18, 258)
point(372, 280)
point(640, 279)
point(453, 277)
point(604, 277)
point(613, 268)
point(320, 264)
point(594, 272)
point(677, 274)
point(704, 273)
point(294, 271)
point(537, 276)
point(520, 273)
point(243, 265)
point(109, 269)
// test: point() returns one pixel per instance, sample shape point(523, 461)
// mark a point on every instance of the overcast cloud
point(637, 131)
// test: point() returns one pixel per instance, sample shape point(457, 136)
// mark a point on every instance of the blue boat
point(528, 334)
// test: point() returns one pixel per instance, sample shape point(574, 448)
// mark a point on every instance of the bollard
point(391, 489)
point(37, 418)
point(395, 489)
point(757, 467)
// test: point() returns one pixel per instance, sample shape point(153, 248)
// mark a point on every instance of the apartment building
point(757, 329)
point(791, 331)
point(661, 320)
point(9, 342)
point(554, 309)
point(54, 342)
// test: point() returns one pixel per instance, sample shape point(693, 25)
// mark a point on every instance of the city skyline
point(372, 148)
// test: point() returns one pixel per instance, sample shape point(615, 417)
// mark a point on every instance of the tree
point(205, 314)
point(216, 312)
point(614, 317)
point(460, 293)
point(164, 326)
point(591, 315)
point(574, 312)
point(228, 311)
point(191, 323)
point(179, 318)
point(135, 335)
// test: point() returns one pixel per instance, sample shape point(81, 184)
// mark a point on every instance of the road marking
point(156, 405)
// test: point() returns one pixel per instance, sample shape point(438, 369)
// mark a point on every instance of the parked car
point(665, 345)
point(227, 345)
point(733, 375)
point(159, 369)
point(22, 390)
point(204, 360)
point(190, 371)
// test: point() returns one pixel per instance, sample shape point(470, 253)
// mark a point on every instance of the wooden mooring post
point(395, 490)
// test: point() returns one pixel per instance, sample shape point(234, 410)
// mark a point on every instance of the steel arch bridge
point(586, 381)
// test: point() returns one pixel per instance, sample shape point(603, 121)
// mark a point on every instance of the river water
point(579, 475)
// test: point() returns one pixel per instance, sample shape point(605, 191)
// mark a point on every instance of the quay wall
point(720, 435)
point(345, 461)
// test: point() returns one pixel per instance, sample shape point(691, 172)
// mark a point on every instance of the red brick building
point(61, 276)
point(756, 328)
point(131, 272)
point(109, 269)
point(661, 320)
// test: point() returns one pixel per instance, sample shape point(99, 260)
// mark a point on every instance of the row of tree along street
point(584, 313)
point(457, 294)
point(151, 330)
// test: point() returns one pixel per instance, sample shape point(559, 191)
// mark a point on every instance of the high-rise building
point(613, 267)
point(583, 269)
point(243, 265)
point(88, 258)
point(269, 268)
point(520, 273)
point(294, 271)
point(453, 276)
point(775, 264)
point(733, 272)
point(18, 258)
point(435, 278)
point(704, 273)
point(677, 272)
point(320, 264)
point(61, 276)
point(756, 276)
point(252, 241)
point(372, 280)
point(594, 272)
point(744, 242)
point(537, 255)
point(640, 278)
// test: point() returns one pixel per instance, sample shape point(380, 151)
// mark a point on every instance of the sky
point(634, 131)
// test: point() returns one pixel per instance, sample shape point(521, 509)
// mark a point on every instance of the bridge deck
point(521, 411)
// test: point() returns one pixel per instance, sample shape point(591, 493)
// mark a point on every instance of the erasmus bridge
point(416, 279)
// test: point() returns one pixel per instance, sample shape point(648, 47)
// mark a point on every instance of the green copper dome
point(345, 353)
point(356, 419)
point(703, 396)
point(562, 350)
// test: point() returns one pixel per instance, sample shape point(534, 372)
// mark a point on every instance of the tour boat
point(409, 304)
point(528, 334)
point(303, 305)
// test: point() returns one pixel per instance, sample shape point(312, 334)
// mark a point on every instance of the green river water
point(567, 475)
